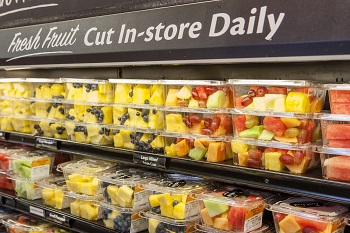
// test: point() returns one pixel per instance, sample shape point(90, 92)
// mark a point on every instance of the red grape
point(254, 163)
point(251, 93)
point(211, 89)
point(291, 132)
point(206, 131)
point(303, 123)
point(202, 93)
point(187, 122)
point(302, 136)
point(261, 91)
point(279, 217)
point(195, 94)
point(298, 156)
point(202, 103)
point(286, 159)
point(215, 124)
point(207, 122)
point(193, 118)
point(255, 153)
point(309, 230)
point(246, 101)
point(310, 126)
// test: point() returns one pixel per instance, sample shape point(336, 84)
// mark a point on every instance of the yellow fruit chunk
point(239, 147)
point(154, 200)
point(75, 208)
point(167, 210)
point(57, 89)
point(170, 150)
point(182, 148)
point(206, 218)
point(156, 121)
point(299, 168)
point(272, 161)
point(88, 211)
point(141, 93)
point(125, 196)
point(222, 224)
point(165, 199)
point(121, 93)
point(243, 159)
point(179, 211)
point(112, 190)
point(297, 102)
point(174, 123)
point(290, 122)
point(285, 139)
point(158, 142)
point(157, 95)
point(216, 152)
point(171, 99)
point(199, 144)
point(289, 225)
point(185, 92)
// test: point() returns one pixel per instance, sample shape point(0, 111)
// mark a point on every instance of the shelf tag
point(46, 143)
point(149, 160)
point(37, 211)
point(57, 218)
point(2, 135)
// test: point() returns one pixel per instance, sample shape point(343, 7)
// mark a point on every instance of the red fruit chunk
point(246, 101)
point(254, 88)
point(195, 94)
point(311, 125)
point(251, 93)
point(193, 118)
point(298, 156)
point(215, 124)
point(303, 124)
point(286, 159)
point(202, 92)
point(302, 136)
point(255, 153)
point(340, 108)
point(225, 121)
point(211, 90)
point(277, 90)
point(187, 122)
point(255, 163)
point(253, 198)
point(236, 217)
point(240, 123)
point(207, 132)
point(339, 143)
point(338, 131)
point(304, 222)
point(279, 217)
point(239, 102)
point(261, 91)
point(301, 89)
point(179, 140)
point(275, 125)
point(207, 122)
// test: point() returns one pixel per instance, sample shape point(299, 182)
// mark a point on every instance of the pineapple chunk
point(122, 93)
point(125, 193)
point(112, 190)
point(157, 95)
point(179, 211)
point(153, 200)
point(141, 93)
point(174, 123)
point(165, 199)
point(167, 210)
point(89, 211)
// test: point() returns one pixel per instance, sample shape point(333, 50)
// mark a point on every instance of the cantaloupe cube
point(206, 218)
point(216, 152)
point(222, 224)
point(243, 159)
point(289, 225)
point(182, 148)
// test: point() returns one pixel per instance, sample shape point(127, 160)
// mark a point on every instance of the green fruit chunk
point(197, 153)
point(216, 100)
point(266, 135)
point(254, 132)
point(215, 208)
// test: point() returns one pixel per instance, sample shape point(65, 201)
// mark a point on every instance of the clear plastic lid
point(106, 205)
point(83, 197)
point(78, 80)
point(25, 223)
point(273, 144)
point(86, 166)
point(194, 82)
point(54, 182)
point(272, 82)
point(309, 208)
point(43, 80)
point(337, 86)
point(231, 195)
point(129, 177)
point(332, 151)
point(31, 156)
point(134, 81)
point(12, 80)
point(170, 221)
point(332, 117)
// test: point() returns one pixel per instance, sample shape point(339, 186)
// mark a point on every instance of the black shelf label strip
point(46, 143)
point(59, 218)
point(150, 160)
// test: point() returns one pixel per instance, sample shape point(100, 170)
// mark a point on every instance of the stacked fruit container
point(273, 122)
point(335, 149)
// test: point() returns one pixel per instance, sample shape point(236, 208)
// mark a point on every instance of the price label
point(150, 160)
point(46, 143)
point(58, 218)
point(37, 211)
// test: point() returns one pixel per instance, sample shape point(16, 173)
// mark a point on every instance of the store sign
point(58, 218)
point(149, 160)
point(45, 143)
point(229, 29)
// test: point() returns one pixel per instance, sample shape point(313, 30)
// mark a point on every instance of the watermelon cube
point(336, 167)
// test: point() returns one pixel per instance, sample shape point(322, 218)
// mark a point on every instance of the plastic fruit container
point(81, 176)
point(96, 113)
point(138, 91)
point(16, 106)
point(198, 94)
point(232, 209)
point(209, 124)
point(54, 192)
point(32, 165)
point(125, 188)
point(6, 183)
point(157, 223)
point(211, 150)
point(16, 87)
point(273, 157)
point(308, 215)
point(287, 130)
point(141, 141)
point(122, 219)
point(25, 188)
point(86, 207)
point(20, 124)
point(5, 154)
point(172, 197)
point(335, 130)
point(296, 96)
point(89, 133)
point(339, 98)
point(49, 128)
point(88, 90)
point(47, 88)
point(25, 224)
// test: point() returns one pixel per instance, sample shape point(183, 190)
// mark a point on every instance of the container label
point(141, 198)
point(40, 172)
point(46, 143)
point(57, 218)
point(253, 223)
point(138, 224)
point(191, 209)
point(307, 204)
point(150, 160)
point(36, 211)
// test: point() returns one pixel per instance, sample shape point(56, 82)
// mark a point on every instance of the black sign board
point(58, 218)
point(213, 31)
point(46, 143)
point(149, 160)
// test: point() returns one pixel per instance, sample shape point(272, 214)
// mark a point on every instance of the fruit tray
point(140, 118)
point(12, 106)
point(281, 129)
point(16, 87)
point(49, 128)
point(232, 209)
point(335, 130)
point(88, 90)
point(211, 150)
point(209, 124)
point(81, 175)
point(172, 197)
point(86, 207)
point(25, 224)
point(339, 98)
point(89, 133)
point(47, 89)
point(281, 159)
point(25, 188)
point(133, 92)
point(54, 191)
point(94, 113)
point(32, 165)
point(141, 141)
point(308, 215)
point(157, 224)
point(198, 94)
point(295, 96)
point(125, 188)
point(122, 219)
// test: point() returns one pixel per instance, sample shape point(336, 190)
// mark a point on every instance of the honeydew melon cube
point(270, 100)
point(216, 100)
point(259, 103)
point(266, 135)
point(215, 208)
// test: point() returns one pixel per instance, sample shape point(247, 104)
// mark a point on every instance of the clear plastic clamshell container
point(16, 87)
point(54, 192)
point(198, 94)
point(211, 150)
point(13, 107)
point(122, 219)
point(44, 109)
point(308, 215)
point(295, 96)
point(87, 207)
point(88, 90)
point(33, 165)
point(82, 175)
point(339, 98)
point(125, 188)
point(158, 223)
point(95, 113)
point(49, 128)
point(25, 188)
point(274, 157)
point(286, 130)
point(47, 88)
point(138, 92)
point(172, 197)
point(25, 224)
point(231, 208)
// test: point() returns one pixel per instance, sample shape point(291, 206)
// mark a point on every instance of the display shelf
point(309, 184)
